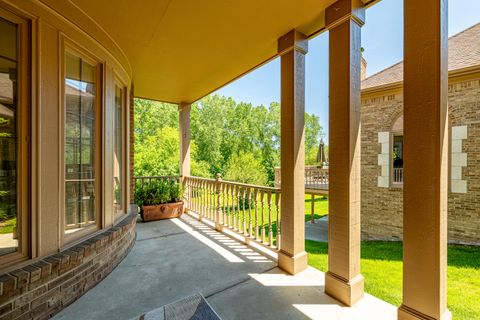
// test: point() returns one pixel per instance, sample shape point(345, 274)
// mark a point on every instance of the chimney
point(363, 69)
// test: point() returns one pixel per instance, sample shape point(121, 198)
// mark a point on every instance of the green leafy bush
point(158, 192)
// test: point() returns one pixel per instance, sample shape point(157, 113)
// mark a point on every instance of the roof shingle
point(463, 52)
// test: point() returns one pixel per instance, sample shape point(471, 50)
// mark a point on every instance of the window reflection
point(118, 152)
point(8, 138)
point(80, 143)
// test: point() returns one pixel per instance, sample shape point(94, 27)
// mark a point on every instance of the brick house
point(382, 145)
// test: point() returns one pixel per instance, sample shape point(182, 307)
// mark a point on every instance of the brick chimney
point(363, 69)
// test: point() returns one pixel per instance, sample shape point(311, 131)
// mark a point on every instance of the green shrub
point(158, 192)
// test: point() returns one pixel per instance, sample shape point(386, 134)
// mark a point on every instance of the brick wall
point(43, 288)
point(464, 208)
point(382, 208)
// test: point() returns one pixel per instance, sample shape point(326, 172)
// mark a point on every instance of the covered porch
point(173, 259)
point(178, 52)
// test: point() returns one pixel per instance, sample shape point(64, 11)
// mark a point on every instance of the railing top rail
point(245, 185)
point(155, 177)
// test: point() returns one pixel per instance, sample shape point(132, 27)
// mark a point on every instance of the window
point(118, 151)
point(82, 143)
point(397, 151)
point(14, 131)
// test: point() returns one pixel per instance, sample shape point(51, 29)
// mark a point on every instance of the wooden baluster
point(250, 225)
point(262, 227)
point(233, 207)
point(313, 208)
point(244, 210)
point(202, 195)
point(197, 196)
point(224, 208)
point(194, 195)
point(207, 213)
point(255, 203)
point(232, 198)
point(279, 223)
point(209, 200)
point(270, 227)
point(239, 208)
point(218, 203)
point(212, 201)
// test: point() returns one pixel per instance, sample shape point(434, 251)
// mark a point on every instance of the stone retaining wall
point(45, 287)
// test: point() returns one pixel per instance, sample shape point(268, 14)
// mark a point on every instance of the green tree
point(225, 136)
point(246, 168)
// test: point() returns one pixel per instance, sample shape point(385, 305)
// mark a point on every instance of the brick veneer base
point(45, 287)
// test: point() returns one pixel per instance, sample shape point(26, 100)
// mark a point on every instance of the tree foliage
point(238, 140)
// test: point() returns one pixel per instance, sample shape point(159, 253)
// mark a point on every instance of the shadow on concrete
point(173, 259)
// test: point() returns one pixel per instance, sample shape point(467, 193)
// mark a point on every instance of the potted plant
point(159, 200)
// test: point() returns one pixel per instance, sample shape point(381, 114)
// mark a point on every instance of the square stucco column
point(343, 280)
point(184, 124)
point(292, 48)
point(426, 161)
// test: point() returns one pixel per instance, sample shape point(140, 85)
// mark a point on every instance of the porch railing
point(398, 175)
point(315, 177)
point(250, 210)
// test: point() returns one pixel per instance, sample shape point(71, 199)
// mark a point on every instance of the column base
point(407, 313)
point(348, 292)
point(292, 264)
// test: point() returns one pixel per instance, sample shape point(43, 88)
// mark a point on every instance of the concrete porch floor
point(173, 259)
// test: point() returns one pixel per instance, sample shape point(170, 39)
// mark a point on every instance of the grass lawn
point(8, 225)
point(321, 207)
point(381, 265)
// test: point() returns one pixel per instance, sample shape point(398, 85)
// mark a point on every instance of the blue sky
point(382, 39)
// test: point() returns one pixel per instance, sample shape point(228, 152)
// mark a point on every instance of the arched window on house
point(397, 151)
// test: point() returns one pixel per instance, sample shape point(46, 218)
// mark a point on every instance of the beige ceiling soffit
point(261, 64)
point(65, 19)
point(321, 29)
point(226, 84)
point(162, 101)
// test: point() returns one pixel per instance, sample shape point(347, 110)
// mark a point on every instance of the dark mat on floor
point(190, 308)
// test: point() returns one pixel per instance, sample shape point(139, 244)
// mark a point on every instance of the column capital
point(184, 106)
point(344, 10)
point(293, 40)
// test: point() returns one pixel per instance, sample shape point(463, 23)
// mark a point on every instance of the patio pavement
point(173, 259)
point(317, 231)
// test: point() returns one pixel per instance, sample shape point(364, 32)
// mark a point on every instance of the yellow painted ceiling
point(181, 50)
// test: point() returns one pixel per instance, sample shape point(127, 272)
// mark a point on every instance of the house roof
point(463, 52)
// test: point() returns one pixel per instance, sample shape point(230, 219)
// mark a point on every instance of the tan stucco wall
point(382, 208)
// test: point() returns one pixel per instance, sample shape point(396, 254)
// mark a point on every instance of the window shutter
point(384, 159)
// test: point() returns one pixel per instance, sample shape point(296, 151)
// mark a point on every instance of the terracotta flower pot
point(162, 211)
